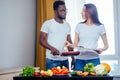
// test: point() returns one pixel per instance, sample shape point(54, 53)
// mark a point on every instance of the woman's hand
point(99, 50)
point(68, 44)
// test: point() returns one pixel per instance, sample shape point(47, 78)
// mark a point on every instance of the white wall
point(17, 33)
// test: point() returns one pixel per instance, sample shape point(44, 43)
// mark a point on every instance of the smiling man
point(53, 34)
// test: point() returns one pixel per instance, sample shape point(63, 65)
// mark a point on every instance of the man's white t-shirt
point(57, 35)
point(89, 36)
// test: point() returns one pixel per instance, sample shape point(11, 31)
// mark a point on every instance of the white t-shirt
point(57, 35)
point(89, 36)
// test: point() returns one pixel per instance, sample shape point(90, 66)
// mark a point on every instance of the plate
point(87, 49)
point(70, 53)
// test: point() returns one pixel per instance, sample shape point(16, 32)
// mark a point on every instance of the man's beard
point(61, 17)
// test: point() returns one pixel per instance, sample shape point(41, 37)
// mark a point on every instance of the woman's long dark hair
point(92, 11)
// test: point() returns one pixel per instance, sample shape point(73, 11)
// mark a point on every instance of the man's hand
point(54, 51)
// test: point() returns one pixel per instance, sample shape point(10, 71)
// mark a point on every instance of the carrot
point(85, 73)
point(93, 73)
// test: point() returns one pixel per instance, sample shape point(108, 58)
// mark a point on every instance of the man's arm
point(44, 43)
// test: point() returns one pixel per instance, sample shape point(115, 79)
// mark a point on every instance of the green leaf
point(28, 71)
point(89, 67)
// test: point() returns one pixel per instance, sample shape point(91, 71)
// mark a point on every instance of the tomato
point(36, 74)
point(42, 74)
point(55, 70)
point(65, 71)
point(58, 72)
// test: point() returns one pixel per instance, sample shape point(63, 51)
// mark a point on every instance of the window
point(107, 15)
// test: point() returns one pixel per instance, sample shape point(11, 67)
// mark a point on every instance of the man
point(53, 34)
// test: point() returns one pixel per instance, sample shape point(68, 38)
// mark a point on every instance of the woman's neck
point(89, 22)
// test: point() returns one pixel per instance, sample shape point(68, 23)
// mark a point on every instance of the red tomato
point(54, 72)
point(36, 74)
point(42, 74)
point(58, 72)
point(54, 68)
point(65, 71)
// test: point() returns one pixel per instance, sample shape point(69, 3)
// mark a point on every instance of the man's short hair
point(57, 3)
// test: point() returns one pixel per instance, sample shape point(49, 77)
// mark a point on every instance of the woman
point(87, 34)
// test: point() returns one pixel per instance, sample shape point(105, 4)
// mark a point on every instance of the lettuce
point(28, 71)
point(89, 67)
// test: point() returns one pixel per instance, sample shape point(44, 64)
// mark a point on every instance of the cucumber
point(73, 73)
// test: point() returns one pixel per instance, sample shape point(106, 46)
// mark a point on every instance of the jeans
point(54, 63)
point(79, 64)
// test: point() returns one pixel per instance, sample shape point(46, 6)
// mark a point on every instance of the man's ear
point(55, 11)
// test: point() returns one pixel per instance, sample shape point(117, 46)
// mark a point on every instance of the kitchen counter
point(68, 77)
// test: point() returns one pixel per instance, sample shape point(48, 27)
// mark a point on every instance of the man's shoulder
point(48, 22)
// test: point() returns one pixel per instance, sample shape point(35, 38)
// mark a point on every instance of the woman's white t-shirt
point(88, 38)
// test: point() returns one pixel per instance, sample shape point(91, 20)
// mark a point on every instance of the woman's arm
point(76, 40)
point(105, 42)
point(70, 42)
